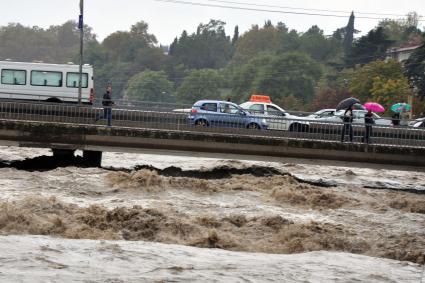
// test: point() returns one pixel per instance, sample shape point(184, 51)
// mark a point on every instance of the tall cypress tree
point(172, 49)
point(235, 35)
point(349, 35)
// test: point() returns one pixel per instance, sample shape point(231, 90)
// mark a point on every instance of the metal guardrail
point(97, 101)
point(277, 127)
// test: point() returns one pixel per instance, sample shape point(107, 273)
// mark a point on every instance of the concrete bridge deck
point(99, 138)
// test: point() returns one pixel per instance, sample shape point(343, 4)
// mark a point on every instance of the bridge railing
point(184, 120)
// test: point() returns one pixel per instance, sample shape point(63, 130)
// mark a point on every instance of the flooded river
point(159, 218)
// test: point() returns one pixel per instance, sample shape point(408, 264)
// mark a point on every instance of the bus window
point(13, 77)
point(72, 80)
point(46, 78)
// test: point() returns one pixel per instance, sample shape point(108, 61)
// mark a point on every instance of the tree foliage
point(370, 47)
point(320, 48)
point(403, 30)
point(58, 44)
point(256, 40)
point(379, 81)
point(244, 76)
point(415, 70)
point(349, 35)
point(204, 83)
point(329, 97)
point(209, 47)
point(297, 69)
point(150, 86)
point(279, 76)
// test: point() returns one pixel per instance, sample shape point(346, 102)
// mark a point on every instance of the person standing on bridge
point(404, 117)
point(107, 106)
point(347, 127)
point(368, 120)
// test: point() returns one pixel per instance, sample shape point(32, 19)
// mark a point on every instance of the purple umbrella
point(375, 107)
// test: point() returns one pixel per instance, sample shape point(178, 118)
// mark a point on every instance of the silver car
point(358, 118)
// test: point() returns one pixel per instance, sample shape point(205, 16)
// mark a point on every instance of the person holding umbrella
point(368, 119)
point(401, 116)
point(347, 127)
point(347, 119)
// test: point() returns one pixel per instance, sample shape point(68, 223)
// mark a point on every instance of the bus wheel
point(54, 100)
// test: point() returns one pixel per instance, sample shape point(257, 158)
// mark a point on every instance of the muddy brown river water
point(158, 218)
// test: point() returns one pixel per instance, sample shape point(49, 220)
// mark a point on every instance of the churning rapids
point(156, 218)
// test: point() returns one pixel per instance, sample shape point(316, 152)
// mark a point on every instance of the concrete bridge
point(66, 128)
point(93, 139)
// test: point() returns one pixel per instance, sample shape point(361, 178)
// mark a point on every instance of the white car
point(358, 118)
point(419, 122)
point(279, 119)
point(323, 113)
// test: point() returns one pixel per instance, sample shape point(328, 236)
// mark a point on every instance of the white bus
point(45, 82)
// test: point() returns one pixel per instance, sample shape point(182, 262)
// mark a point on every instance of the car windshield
point(229, 108)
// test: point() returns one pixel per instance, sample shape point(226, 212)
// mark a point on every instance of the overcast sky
point(168, 20)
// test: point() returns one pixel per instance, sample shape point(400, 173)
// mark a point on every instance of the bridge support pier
point(63, 153)
point(92, 158)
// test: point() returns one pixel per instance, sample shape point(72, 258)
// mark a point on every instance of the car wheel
point(253, 126)
point(296, 127)
point(202, 123)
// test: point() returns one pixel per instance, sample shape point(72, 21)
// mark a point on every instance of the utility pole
point(80, 26)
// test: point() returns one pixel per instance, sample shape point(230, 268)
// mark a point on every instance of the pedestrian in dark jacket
point(368, 120)
point(396, 119)
point(347, 127)
point(107, 106)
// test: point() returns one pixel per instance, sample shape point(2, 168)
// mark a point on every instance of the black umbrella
point(347, 103)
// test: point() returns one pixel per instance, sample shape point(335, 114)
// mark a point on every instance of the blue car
point(217, 113)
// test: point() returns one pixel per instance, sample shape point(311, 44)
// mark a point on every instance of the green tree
point(402, 31)
point(291, 73)
point(255, 41)
point(379, 81)
point(200, 84)
point(243, 76)
point(235, 35)
point(150, 86)
point(415, 70)
point(370, 47)
point(116, 73)
point(389, 91)
point(329, 97)
point(126, 45)
point(209, 47)
point(117, 46)
point(57, 44)
point(290, 102)
point(314, 43)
